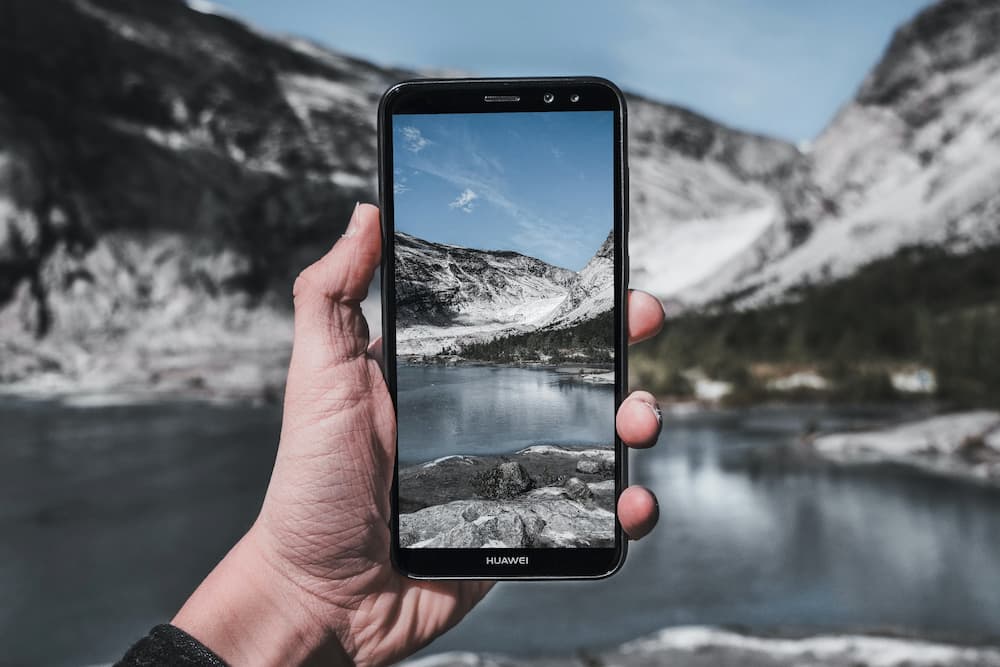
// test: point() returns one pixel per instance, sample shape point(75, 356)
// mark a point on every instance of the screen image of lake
point(490, 410)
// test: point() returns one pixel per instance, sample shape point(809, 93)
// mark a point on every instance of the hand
point(311, 580)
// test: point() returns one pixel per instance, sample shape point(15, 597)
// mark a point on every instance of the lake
point(481, 409)
point(112, 515)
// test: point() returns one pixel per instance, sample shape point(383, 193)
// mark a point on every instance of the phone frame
point(468, 96)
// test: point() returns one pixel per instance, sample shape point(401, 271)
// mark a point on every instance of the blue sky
point(780, 67)
point(537, 183)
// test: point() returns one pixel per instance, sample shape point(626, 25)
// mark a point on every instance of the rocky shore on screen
point(541, 496)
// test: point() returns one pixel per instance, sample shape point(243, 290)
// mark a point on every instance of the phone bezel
point(468, 96)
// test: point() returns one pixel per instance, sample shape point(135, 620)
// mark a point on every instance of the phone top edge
point(404, 93)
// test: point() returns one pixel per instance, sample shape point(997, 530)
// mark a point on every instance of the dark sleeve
point(167, 645)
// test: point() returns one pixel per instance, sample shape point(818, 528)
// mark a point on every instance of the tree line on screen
point(922, 306)
point(588, 342)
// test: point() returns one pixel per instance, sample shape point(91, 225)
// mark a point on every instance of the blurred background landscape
point(824, 233)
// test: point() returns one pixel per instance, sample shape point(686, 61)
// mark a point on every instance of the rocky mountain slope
point(591, 292)
point(704, 195)
point(913, 159)
point(164, 173)
point(449, 296)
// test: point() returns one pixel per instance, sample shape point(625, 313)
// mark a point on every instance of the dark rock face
point(151, 116)
point(943, 37)
point(160, 160)
point(506, 480)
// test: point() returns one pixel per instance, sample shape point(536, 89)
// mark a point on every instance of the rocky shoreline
point(698, 646)
point(541, 496)
point(598, 372)
point(964, 446)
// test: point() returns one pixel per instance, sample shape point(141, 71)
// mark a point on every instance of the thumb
point(329, 326)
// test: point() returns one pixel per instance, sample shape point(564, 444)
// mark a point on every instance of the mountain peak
point(945, 36)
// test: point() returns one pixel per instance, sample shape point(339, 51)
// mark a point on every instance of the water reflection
point(490, 410)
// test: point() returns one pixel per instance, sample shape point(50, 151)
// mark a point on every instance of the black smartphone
point(504, 281)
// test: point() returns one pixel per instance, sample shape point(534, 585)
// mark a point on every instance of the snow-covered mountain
point(448, 295)
point(590, 293)
point(913, 159)
point(166, 170)
point(701, 194)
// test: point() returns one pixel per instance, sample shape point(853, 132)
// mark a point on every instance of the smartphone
point(504, 282)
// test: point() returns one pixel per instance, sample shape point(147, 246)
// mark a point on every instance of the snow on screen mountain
point(447, 294)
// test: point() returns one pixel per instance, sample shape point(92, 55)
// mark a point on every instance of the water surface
point(481, 409)
point(111, 516)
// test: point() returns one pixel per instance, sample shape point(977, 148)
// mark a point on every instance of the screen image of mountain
point(505, 396)
point(460, 300)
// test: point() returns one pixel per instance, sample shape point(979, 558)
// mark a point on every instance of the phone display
point(505, 233)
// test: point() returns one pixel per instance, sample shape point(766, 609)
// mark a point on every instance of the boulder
point(506, 480)
point(577, 490)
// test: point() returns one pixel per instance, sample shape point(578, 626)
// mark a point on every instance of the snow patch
point(311, 94)
point(458, 458)
point(600, 453)
point(872, 651)
point(799, 380)
point(690, 251)
point(935, 436)
point(205, 7)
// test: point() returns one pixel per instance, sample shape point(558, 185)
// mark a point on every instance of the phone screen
point(504, 328)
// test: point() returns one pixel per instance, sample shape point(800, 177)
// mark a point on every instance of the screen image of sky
point(541, 184)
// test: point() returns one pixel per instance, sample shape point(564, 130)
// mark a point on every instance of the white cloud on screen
point(414, 140)
point(465, 200)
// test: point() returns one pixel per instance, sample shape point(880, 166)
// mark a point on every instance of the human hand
point(311, 580)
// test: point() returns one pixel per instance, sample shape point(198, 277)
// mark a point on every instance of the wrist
point(248, 614)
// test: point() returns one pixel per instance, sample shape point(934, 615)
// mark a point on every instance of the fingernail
point(657, 412)
point(352, 226)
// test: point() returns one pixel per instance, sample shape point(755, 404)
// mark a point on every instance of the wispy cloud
point(549, 241)
point(400, 182)
point(465, 200)
point(414, 140)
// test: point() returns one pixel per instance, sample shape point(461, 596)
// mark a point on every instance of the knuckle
point(303, 283)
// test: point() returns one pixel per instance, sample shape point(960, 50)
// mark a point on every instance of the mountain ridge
point(448, 296)
point(158, 198)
